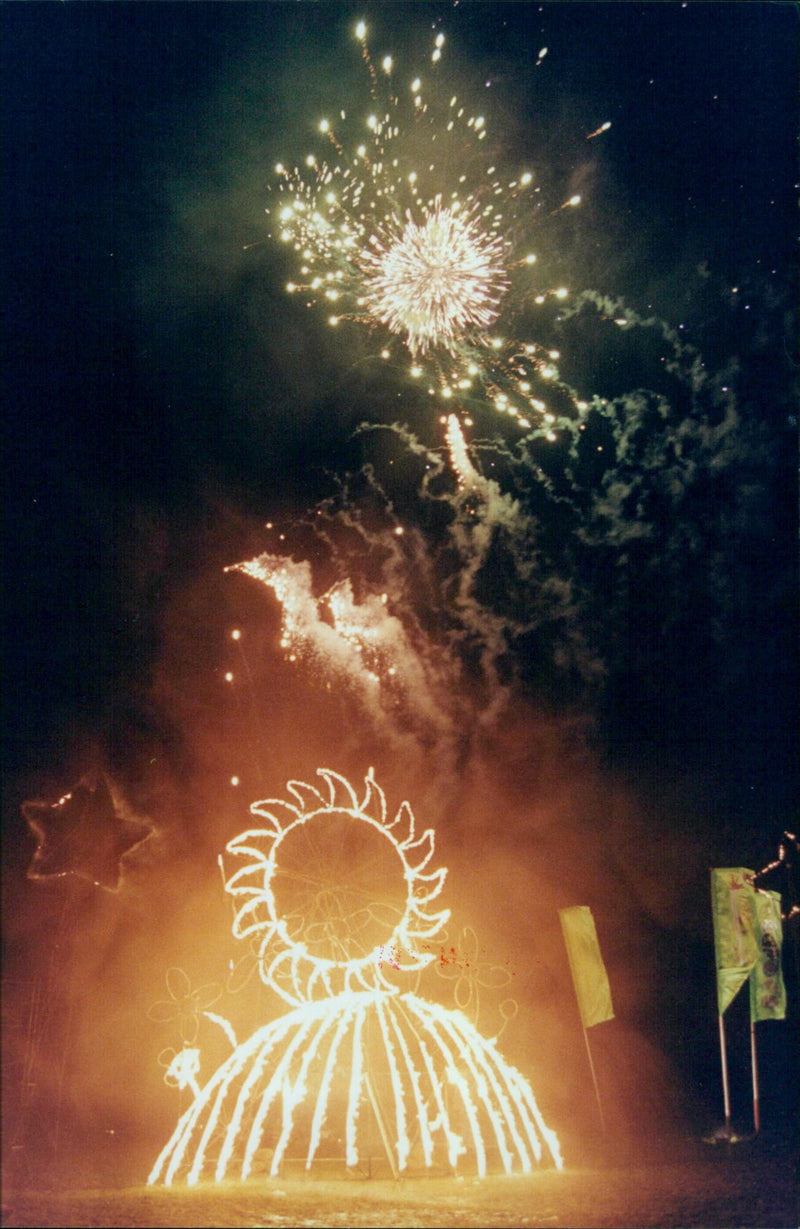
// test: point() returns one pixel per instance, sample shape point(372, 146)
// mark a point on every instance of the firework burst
point(404, 225)
point(437, 282)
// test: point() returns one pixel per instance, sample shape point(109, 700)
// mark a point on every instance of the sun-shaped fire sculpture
point(335, 890)
point(338, 895)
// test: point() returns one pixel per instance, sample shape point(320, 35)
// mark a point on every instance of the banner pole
point(754, 1066)
point(594, 1080)
point(725, 1088)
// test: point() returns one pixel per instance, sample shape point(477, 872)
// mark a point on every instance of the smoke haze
point(574, 656)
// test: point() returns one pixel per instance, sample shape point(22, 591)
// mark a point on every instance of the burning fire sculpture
point(338, 897)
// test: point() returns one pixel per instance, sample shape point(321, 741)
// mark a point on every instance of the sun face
point(336, 893)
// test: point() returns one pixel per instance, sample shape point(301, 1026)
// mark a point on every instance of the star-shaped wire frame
point(83, 833)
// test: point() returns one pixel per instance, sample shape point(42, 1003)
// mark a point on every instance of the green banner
point(733, 908)
point(588, 971)
point(767, 991)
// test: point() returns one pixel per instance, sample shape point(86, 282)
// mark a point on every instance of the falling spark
point(597, 132)
point(364, 1054)
point(386, 233)
point(444, 1095)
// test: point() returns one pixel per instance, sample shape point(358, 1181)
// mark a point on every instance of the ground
point(729, 1186)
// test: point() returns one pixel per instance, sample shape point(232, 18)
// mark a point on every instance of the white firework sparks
point(408, 228)
point(435, 282)
point(360, 641)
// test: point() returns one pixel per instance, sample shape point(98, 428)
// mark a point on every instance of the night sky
point(599, 651)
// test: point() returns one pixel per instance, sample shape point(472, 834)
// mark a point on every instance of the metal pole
point(754, 1065)
point(725, 1088)
point(594, 1081)
point(381, 1127)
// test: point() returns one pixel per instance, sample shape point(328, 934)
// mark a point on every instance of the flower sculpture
point(340, 897)
point(184, 1004)
point(469, 974)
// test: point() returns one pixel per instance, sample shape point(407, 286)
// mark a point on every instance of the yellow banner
point(586, 964)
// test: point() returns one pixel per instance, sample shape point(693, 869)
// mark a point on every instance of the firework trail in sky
point(421, 647)
point(359, 642)
point(468, 574)
point(444, 579)
point(406, 226)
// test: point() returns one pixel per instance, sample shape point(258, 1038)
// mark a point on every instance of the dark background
point(164, 399)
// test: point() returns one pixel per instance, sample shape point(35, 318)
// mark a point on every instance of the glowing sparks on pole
point(388, 234)
point(366, 1062)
